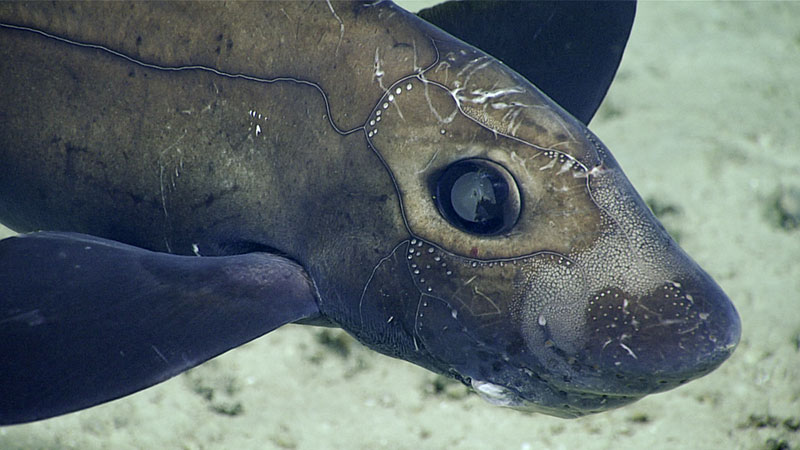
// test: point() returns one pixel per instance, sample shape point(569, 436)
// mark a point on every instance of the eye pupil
point(478, 196)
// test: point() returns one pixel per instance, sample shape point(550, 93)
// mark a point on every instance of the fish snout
point(680, 331)
point(591, 348)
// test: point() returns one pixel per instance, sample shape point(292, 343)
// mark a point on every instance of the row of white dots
point(373, 122)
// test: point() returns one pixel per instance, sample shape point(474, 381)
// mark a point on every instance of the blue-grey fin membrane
point(568, 49)
point(85, 320)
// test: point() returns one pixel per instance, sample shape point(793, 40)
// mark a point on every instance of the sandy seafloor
point(704, 117)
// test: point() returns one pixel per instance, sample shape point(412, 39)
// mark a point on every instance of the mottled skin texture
point(230, 128)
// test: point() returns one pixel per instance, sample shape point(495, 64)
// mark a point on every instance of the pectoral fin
point(85, 320)
point(568, 49)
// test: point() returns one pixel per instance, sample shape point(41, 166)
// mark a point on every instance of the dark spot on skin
point(217, 50)
point(473, 252)
point(219, 37)
point(132, 73)
point(212, 198)
point(515, 345)
point(138, 41)
point(538, 129)
point(229, 44)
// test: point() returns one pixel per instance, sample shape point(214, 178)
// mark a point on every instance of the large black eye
point(478, 196)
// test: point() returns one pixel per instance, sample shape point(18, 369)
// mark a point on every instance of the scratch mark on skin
point(511, 118)
point(378, 71)
point(524, 161)
point(475, 292)
point(416, 321)
point(163, 195)
point(399, 113)
point(488, 299)
point(480, 96)
point(565, 166)
point(468, 67)
point(512, 127)
point(429, 162)
point(436, 114)
point(341, 27)
point(417, 68)
point(160, 355)
point(32, 318)
point(444, 65)
point(626, 348)
point(691, 329)
point(565, 128)
point(459, 108)
point(161, 172)
point(372, 275)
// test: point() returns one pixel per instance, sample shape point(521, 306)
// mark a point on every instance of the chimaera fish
point(207, 172)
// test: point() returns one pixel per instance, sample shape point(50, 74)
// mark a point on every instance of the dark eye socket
point(478, 196)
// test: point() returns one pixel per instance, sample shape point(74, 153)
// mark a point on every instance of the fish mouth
point(571, 405)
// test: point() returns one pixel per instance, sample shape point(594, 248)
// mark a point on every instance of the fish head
point(544, 280)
